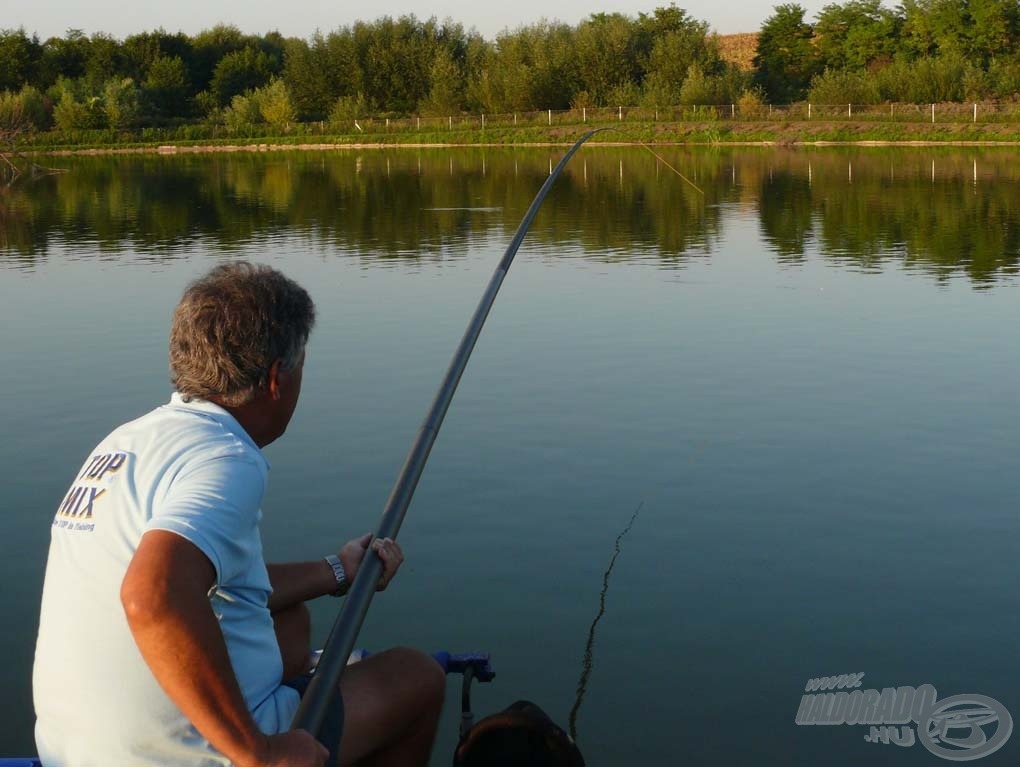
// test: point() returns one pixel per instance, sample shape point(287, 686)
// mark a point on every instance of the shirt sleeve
point(215, 506)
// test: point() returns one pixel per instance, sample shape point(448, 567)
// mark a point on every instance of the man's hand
point(296, 748)
point(353, 553)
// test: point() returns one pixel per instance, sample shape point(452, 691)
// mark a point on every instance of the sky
point(49, 18)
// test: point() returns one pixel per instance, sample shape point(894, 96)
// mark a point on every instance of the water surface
point(807, 374)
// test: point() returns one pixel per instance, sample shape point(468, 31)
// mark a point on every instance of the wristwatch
point(338, 572)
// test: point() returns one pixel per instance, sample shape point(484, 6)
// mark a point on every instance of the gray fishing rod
point(312, 710)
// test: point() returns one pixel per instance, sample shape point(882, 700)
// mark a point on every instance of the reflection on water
point(938, 211)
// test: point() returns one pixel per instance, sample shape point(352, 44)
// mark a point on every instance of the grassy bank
point(705, 133)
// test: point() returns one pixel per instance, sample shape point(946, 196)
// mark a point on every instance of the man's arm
point(165, 598)
point(296, 582)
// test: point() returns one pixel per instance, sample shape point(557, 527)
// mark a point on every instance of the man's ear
point(273, 380)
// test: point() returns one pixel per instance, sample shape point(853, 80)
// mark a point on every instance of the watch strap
point(338, 572)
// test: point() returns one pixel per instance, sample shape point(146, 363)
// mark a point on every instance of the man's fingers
point(392, 557)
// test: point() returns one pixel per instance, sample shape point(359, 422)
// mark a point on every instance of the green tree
point(446, 90)
point(786, 59)
point(855, 34)
point(104, 61)
point(120, 102)
point(140, 51)
point(75, 110)
point(165, 91)
point(19, 55)
point(63, 57)
point(239, 72)
point(275, 105)
point(606, 47)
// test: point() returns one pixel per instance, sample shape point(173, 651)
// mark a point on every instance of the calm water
point(807, 375)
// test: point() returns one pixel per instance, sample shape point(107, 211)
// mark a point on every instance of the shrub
point(840, 86)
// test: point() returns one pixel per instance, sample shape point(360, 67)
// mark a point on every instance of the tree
point(446, 90)
point(855, 34)
point(275, 105)
point(141, 51)
point(120, 102)
point(165, 90)
point(606, 53)
point(786, 59)
point(63, 57)
point(239, 72)
point(19, 54)
point(677, 42)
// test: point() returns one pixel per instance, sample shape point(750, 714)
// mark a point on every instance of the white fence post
point(550, 117)
point(515, 118)
point(809, 110)
point(419, 123)
point(620, 113)
point(483, 122)
point(975, 112)
point(450, 119)
point(933, 114)
point(848, 113)
point(733, 110)
point(584, 114)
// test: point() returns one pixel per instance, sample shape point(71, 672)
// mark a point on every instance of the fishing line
point(314, 704)
point(589, 655)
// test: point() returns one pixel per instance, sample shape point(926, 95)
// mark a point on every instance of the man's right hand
point(296, 748)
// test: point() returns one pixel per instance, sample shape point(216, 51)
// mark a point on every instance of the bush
point(120, 102)
point(27, 108)
point(751, 104)
point(840, 86)
point(275, 105)
point(347, 109)
point(702, 88)
point(243, 111)
point(70, 114)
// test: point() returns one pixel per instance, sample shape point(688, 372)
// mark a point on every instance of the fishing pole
point(312, 710)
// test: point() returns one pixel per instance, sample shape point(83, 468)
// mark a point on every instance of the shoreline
point(267, 147)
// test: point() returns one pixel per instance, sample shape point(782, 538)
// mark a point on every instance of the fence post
point(550, 117)
point(387, 123)
point(419, 123)
point(770, 111)
point(848, 112)
point(620, 113)
point(975, 112)
point(733, 110)
point(809, 110)
point(483, 121)
point(891, 107)
point(932, 114)
point(515, 118)
point(450, 118)
point(584, 114)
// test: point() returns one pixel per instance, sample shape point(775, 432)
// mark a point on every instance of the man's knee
point(426, 675)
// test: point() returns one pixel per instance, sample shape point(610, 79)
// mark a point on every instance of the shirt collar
point(221, 415)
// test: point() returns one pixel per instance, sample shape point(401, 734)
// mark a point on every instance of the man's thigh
point(386, 695)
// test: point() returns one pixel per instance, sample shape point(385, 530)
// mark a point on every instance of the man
point(164, 638)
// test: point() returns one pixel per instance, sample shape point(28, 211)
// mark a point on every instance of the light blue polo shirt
point(191, 469)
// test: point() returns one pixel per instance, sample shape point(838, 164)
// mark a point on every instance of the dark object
point(312, 711)
point(521, 735)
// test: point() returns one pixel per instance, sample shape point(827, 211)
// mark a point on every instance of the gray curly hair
point(230, 327)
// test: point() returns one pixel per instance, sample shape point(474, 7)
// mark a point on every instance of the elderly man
point(164, 637)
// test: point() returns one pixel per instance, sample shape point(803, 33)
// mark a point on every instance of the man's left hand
point(353, 553)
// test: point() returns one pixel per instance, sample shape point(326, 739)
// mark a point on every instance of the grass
point(702, 132)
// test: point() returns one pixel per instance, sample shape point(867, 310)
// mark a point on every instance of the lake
point(800, 365)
